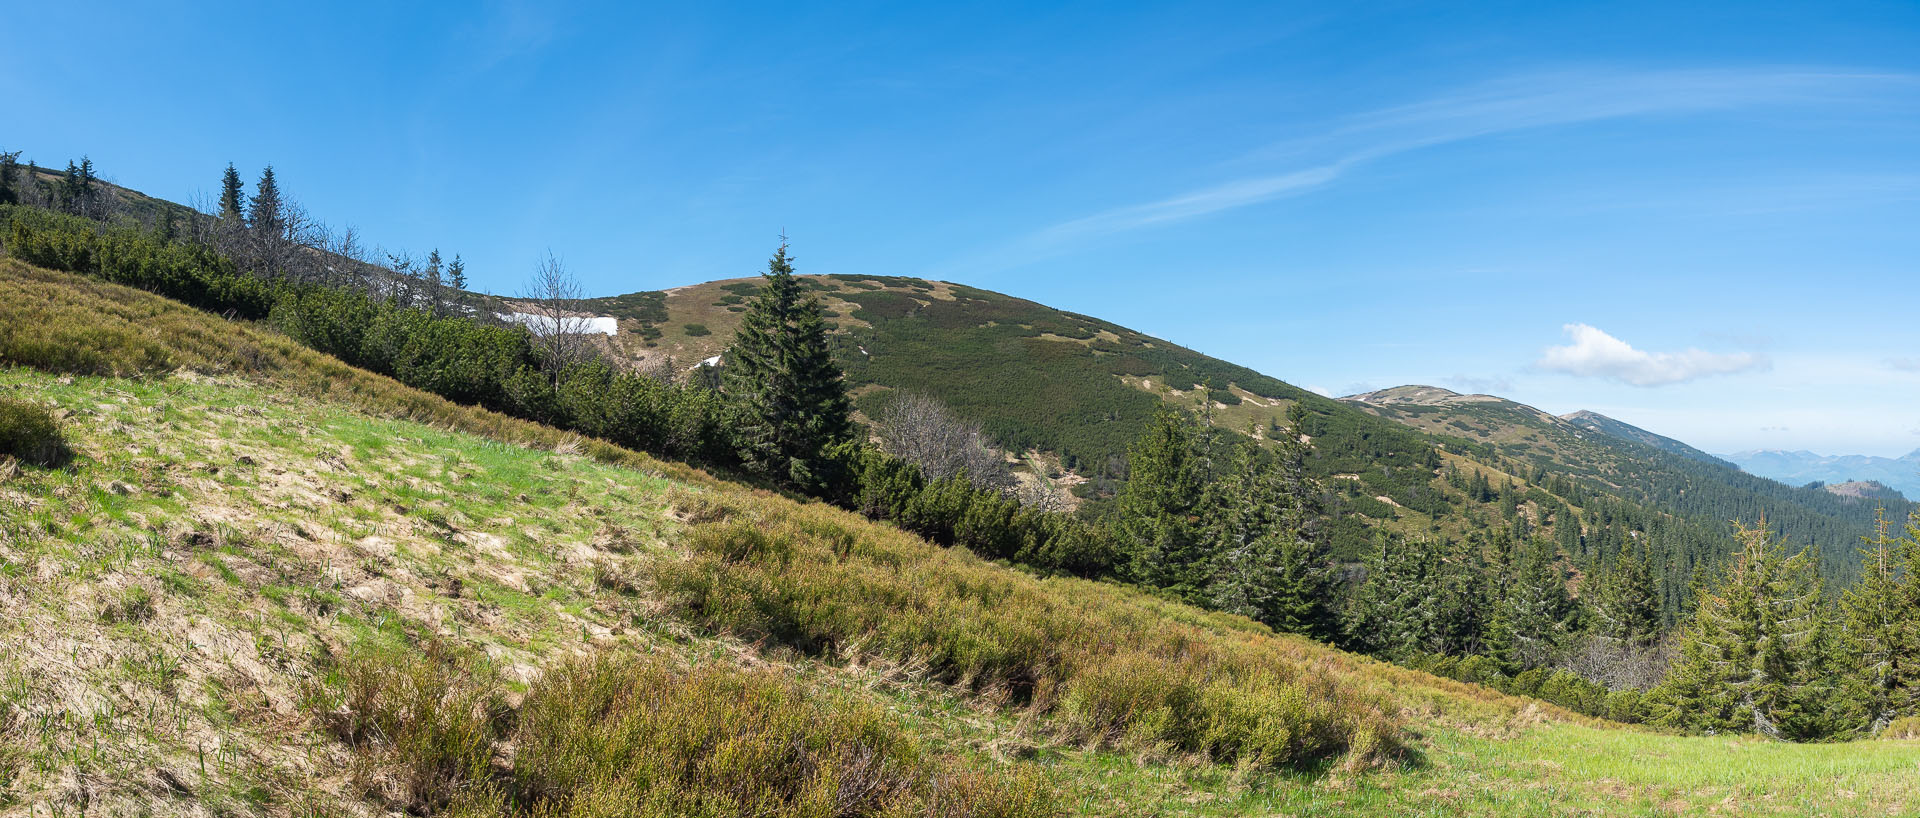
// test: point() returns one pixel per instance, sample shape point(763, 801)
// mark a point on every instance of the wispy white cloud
point(1503, 106)
point(1595, 354)
point(1904, 364)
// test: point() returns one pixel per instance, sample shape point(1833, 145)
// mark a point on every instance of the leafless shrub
point(922, 431)
point(1618, 664)
point(552, 297)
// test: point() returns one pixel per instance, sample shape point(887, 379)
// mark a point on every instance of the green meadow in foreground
point(270, 584)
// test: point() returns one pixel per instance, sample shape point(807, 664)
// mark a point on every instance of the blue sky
point(1702, 220)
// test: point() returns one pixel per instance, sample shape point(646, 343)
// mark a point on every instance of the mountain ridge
point(1801, 466)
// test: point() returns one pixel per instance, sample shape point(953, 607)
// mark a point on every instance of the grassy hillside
point(268, 583)
point(1033, 376)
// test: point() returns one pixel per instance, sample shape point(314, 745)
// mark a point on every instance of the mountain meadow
point(292, 527)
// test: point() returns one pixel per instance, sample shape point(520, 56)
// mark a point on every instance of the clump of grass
point(1108, 665)
point(133, 604)
point(424, 722)
point(638, 736)
point(30, 433)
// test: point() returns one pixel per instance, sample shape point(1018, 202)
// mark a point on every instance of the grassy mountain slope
point(272, 584)
point(1072, 389)
point(1036, 377)
point(1594, 421)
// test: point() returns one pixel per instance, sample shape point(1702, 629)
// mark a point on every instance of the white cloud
point(1595, 354)
point(1904, 364)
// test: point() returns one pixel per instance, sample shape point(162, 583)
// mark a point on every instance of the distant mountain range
point(1799, 468)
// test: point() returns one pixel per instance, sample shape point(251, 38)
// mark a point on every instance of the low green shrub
point(1108, 665)
point(639, 736)
point(697, 330)
point(30, 433)
point(1905, 729)
point(636, 736)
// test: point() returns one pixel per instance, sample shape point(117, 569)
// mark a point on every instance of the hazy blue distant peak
point(1801, 467)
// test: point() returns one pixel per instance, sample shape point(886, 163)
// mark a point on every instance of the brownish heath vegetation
point(638, 735)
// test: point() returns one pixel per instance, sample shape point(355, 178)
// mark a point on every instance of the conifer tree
point(1534, 614)
point(1754, 658)
point(267, 214)
point(1266, 562)
point(1882, 634)
point(1160, 514)
point(233, 196)
point(69, 188)
point(1623, 602)
point(1465, 600)
point(789, 397)
point(9, 177)
point(1393, 613)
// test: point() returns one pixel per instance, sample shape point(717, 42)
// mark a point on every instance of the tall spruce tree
point(789, 398)
point(1622, 600)
point(1395, 611)
point(69, 188)
point(1755, 656)
point(1160, 516)
point(9, 177)
point(1266, 562)
point(267, 214)
point(233, 196)
point(1535, 612)
point(1881, 617)
point(1465, 600)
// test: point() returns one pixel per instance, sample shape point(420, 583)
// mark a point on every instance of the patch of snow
point(545, 325)
point(713, 361)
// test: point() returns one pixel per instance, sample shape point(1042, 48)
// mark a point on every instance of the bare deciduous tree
point(552, 297)
point(1618, 664)
point(922, 431)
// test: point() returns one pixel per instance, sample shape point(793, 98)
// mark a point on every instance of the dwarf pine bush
point(1103, 663)
point(640, 736)
point(30, 433)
